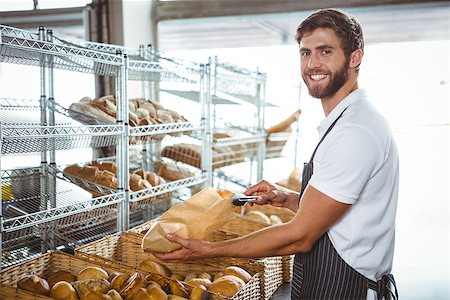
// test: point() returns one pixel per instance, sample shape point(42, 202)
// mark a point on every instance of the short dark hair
point(347, 28)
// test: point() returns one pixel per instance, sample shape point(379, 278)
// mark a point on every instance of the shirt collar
point(353, 97)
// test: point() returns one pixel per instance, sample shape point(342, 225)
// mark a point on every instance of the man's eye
point(326, 52)
point(304, 54)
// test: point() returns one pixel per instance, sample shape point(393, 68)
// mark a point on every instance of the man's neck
point(329, 103)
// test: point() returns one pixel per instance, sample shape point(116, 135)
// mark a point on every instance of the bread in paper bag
point(195, 218)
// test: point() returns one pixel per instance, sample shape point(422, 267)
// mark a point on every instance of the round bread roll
point(178, 288)
point(190, 276)
point(132, 286)
point(63, 290)
point(258, 216)
point(217, 276)
point(91, 285)
point(200, 281)
point(95, 296)
point(156, 292)
point(35, 284)
point(118, 282)
point(199, 293)
point(155, 267)
point(238, 272)
point(175, 297)
point(227, 285)
point(142, 294)
point(114, 295)
point(60, 276)
point(112, 275)
point(92, 273)
point(205, 276)
point(158, 279)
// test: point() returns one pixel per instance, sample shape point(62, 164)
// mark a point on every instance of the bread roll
point(95, 296)
point(92, 273)
point(107, 179)
point(35, 284)
point(132, 286)
point(238, 272)
point(205, 275)
point(90, 285)
point(63, 290)
point(118, 282)
point(149, 107)
point(114, 295)
point(227, 285)
point(200, 281)
point(156, 293)
point(142, 113)
point(199, 293)
point(178, 288)
point(60, 276)
point(155, 267)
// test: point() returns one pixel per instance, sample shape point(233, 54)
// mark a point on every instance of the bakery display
point(104, 174)
point(141, 112)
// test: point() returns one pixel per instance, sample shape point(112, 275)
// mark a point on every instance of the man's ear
point(356, 58)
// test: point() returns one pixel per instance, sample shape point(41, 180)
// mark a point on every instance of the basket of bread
point(126, 249)
point(61, 276)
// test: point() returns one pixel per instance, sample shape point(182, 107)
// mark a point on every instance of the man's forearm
point(271, 241)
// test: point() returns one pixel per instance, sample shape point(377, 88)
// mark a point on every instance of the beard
point(337, 80)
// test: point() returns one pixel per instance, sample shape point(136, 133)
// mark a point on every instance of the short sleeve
point(345, 161)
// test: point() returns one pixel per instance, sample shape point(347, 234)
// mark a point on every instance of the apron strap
point(384, 286)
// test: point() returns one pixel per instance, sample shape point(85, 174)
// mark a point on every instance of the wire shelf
point(238, 81)
point(32, 203)
point(21, 131)
point(22, 47)
point(166, 188)
point(166, 128)
point(28, 247)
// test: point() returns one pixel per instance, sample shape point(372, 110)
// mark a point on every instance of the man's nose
point(313, 62)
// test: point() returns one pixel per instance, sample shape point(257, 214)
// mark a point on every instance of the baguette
point(285, 124)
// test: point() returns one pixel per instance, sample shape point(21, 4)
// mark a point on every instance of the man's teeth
point(317, 76)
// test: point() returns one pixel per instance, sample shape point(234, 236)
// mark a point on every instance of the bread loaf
point(60, 276)
point(132, 286)
point(155, 267)
point(238, 272)
point(35, 284)
point(92, 273)
point(187, 153)
point(172, 171)
point(91, 111)
point(107, 179)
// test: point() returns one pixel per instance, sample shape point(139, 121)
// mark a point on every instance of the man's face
point(323, 64)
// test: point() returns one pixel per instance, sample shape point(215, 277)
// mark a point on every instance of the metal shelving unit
point(243, 87)
point(36, 201)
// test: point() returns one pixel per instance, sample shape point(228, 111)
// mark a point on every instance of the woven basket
point(274, 270)
point(43, 266)
point(126, 249)
point(242, 226)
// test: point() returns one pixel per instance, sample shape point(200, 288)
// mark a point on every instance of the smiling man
point(343, 232)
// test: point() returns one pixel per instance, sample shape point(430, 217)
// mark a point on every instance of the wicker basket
point(242, 226)
point(43, 266)
point(126, 249)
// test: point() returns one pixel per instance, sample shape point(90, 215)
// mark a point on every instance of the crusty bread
point(107, 179)
point(89, 173)
point(227, 285)
point(35, 284)
point(172, 171)
point(91, 111)
point(92, 273)
point(60, 276)
point(63, 290)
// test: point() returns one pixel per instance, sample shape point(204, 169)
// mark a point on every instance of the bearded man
point(343, 232)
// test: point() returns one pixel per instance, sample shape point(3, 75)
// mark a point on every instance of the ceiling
point(386, 23)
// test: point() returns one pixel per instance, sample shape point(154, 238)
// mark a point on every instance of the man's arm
point(317, 212)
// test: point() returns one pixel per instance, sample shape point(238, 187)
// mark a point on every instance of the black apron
point(322, 274)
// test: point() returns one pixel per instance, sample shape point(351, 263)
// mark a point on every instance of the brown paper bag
point(195, 218)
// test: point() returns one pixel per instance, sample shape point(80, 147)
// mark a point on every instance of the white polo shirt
point(357, 163)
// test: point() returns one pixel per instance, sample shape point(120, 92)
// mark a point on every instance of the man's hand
point(191, 249)
point(269, 194)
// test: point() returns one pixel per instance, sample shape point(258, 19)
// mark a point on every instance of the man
point(343, 231)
